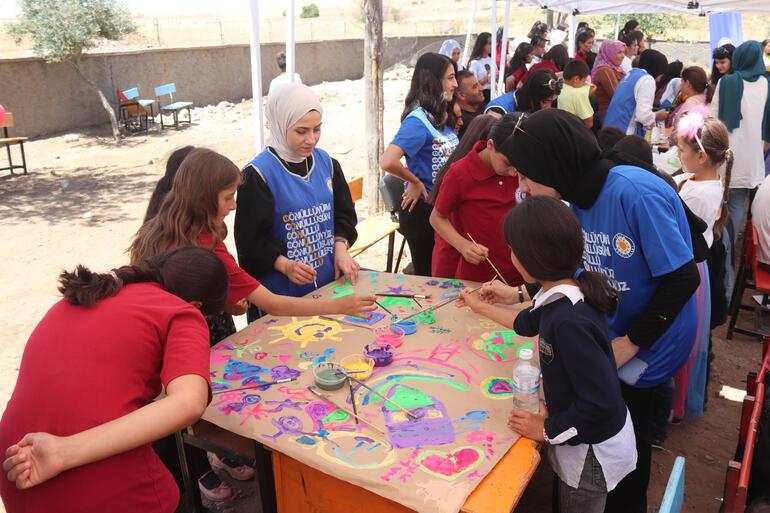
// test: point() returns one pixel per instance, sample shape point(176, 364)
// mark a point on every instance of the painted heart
point(450, 466)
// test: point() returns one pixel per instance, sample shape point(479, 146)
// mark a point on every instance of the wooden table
point(295, 479)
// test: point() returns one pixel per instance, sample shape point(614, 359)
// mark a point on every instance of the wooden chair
point(673, 498)
point(738, 472)
point(9, 141)
point(172, 107)
point(753, 277)
point(134, 108)
point(373, 229)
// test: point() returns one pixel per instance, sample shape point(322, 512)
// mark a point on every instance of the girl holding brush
point(192, 213)
point(587, 426)
point(477, 192)
point(295, 219)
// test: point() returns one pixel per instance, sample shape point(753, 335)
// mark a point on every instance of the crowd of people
point(548, 194)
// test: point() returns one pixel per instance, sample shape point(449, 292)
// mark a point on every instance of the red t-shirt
point(445, 257)
point(481, 199)
point(580, 57)
point(540, 65)
point(84, 366)
point(240, 283)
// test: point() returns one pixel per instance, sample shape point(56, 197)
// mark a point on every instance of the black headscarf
point(653, 62)
point(554, 148)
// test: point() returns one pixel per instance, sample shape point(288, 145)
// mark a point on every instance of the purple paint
point(283, 372)
point(431, 424)
point(381, 355)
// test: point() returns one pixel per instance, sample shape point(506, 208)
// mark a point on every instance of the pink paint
point(284, 357)
point(219, 357)
point(451, 465)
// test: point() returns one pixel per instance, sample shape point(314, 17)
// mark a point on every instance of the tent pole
point(572, 33)
point(471, 22)
point(290, 62)
point(492, 84)
point(617, 26)
point(504, 49)
point(256, 78)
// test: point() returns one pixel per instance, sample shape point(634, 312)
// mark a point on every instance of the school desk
point(311, 456)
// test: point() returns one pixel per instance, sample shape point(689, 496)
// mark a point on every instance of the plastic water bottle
point(526, 383)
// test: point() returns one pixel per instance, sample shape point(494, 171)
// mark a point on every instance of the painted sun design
point(308, 330)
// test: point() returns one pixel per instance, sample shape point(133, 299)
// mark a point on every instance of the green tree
point(309, 11)
point(655, 26)
point(62, 30)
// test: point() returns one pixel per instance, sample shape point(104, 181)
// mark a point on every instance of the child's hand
point(412, 195)
point(355, 305)
point(299, 272)
point(529, 424)
point(474, 253)
point(344, 265)
point(238, 308)
point(34, 460)
point(469, 299)
point(497, 292)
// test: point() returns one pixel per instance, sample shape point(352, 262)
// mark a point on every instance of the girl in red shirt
point(81, 418)
point(479, 190)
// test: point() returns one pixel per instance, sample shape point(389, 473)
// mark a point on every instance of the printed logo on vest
point(546, 351)
point(623, 245)
point(520, 196)
point(329, 184)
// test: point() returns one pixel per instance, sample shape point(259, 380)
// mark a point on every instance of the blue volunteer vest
point(507, 102)
point(444, 143)
point(303, 218)
point(623, 104)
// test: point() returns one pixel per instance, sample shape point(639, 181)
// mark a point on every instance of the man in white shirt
point(283, 78)
point(634, 46)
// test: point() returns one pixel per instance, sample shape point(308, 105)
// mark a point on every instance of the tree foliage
point(63, 29)
point(655, 26)
point(309, 11)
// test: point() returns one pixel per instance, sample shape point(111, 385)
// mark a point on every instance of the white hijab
point(286, 104)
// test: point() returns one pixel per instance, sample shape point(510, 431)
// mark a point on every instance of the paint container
point(328, 376)
point(389, 336)
point(382, 356)
point(408, 327)
point(359, 366)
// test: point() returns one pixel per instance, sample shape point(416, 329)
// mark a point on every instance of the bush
point(309, 11)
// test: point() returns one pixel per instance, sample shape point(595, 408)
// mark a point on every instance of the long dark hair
point(519, 58)
point(558, 55)
point(189, 272)
point(477, 130)
point(427, 90)
point(629, 27)
point(478, 47)
point(540, 85)
point(547, 240)
point(723, 52)
point(164, 184)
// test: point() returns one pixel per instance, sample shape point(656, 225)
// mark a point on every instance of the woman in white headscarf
point(295, 218)
point(452, 49)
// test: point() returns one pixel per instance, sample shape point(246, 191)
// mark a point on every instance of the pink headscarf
point(607, 53)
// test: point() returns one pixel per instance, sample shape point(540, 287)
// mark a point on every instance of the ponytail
point(722, 219)
point(597, 290)
point(189, 272)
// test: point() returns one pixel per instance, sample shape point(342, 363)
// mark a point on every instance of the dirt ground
point(83, 200)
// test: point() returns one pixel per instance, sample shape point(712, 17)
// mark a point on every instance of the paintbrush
point(326, 398)
point(256, 385)
point(380, 305)
point(435, 307)
point(352, 397)
point(306, 244)
point(394, 403)
point(499, 275)
point(346, 323)
point(409, 296)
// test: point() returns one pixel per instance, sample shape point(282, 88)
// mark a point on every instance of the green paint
point(426, 317)
point(336, 416)
point(381, 389)
point(496, 351)
point(387, 302)
point(345, 290)
point(409, 398)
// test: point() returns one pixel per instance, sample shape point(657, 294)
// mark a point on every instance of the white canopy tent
point(702, 7)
